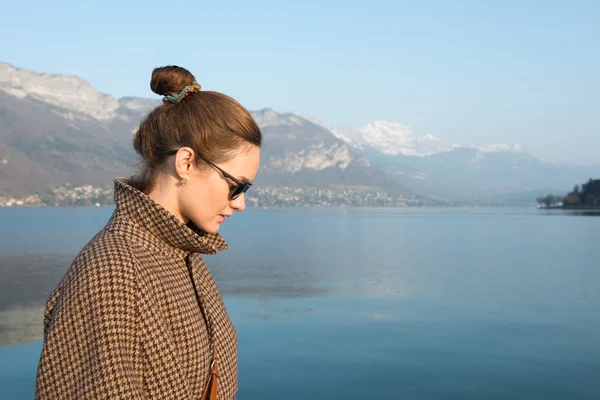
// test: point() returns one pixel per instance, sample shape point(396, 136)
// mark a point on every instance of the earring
point(183, 181)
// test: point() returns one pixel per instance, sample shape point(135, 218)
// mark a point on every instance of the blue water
point(386, 304)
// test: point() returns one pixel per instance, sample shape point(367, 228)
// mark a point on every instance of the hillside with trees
point(586, 196)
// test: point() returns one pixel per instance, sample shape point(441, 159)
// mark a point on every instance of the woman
point(138, 314)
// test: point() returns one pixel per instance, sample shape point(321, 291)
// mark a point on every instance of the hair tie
point(176, 98)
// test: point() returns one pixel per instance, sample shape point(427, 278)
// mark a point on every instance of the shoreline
point(577, 208)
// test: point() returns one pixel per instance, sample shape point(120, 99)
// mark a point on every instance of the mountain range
point(493, 174)
point(392, 138)
point(57, 128)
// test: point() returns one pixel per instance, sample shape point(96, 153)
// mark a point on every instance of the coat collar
point(148, 215)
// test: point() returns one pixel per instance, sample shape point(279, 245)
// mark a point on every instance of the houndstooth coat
point(131, 318)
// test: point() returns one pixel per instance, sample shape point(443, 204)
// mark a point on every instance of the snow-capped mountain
point(387, 137)
point(300, 153)
point(426, 165)
point(392, 138)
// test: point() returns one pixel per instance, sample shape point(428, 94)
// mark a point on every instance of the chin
point(208, 227)
point(211, 228)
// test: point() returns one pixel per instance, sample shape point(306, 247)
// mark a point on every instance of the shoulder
point(108, 263)
point(101, 283)
point(107, 248)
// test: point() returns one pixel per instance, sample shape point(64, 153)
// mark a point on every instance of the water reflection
point(567, 212)
point(28, 279)
point(496, 262)
point(590, 213)
point(21, 324)
point(265, 291)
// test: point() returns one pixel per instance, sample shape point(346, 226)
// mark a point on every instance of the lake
point(411, 303)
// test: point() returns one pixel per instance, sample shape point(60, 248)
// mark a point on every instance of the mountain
point(300, 153)
point(457, 172)
point(392, 138)
point(471, 174)
point(40, 148)
point(56, 129)
point(389, 138)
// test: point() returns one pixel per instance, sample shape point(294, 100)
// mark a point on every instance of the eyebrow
point(241, 178)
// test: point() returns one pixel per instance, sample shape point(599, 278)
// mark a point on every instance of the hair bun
point(170, 79)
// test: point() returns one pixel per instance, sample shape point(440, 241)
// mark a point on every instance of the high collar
point(159, 223)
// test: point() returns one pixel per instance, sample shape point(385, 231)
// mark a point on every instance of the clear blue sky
point(523, 72)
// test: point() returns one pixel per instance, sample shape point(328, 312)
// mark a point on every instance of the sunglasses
point(234, 191)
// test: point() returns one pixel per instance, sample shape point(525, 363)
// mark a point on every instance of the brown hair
point(214, 125)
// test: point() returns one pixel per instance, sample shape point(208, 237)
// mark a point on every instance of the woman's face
point(205, 200)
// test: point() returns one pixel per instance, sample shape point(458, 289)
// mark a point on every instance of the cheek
point(205, 201)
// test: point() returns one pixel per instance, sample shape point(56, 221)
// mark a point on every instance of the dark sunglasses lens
point(240, 189)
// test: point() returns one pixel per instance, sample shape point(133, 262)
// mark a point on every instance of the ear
point(184, 161)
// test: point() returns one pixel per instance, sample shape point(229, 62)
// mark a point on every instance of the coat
point(132, 317)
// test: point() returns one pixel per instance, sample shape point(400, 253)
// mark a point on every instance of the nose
point(239, 203)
